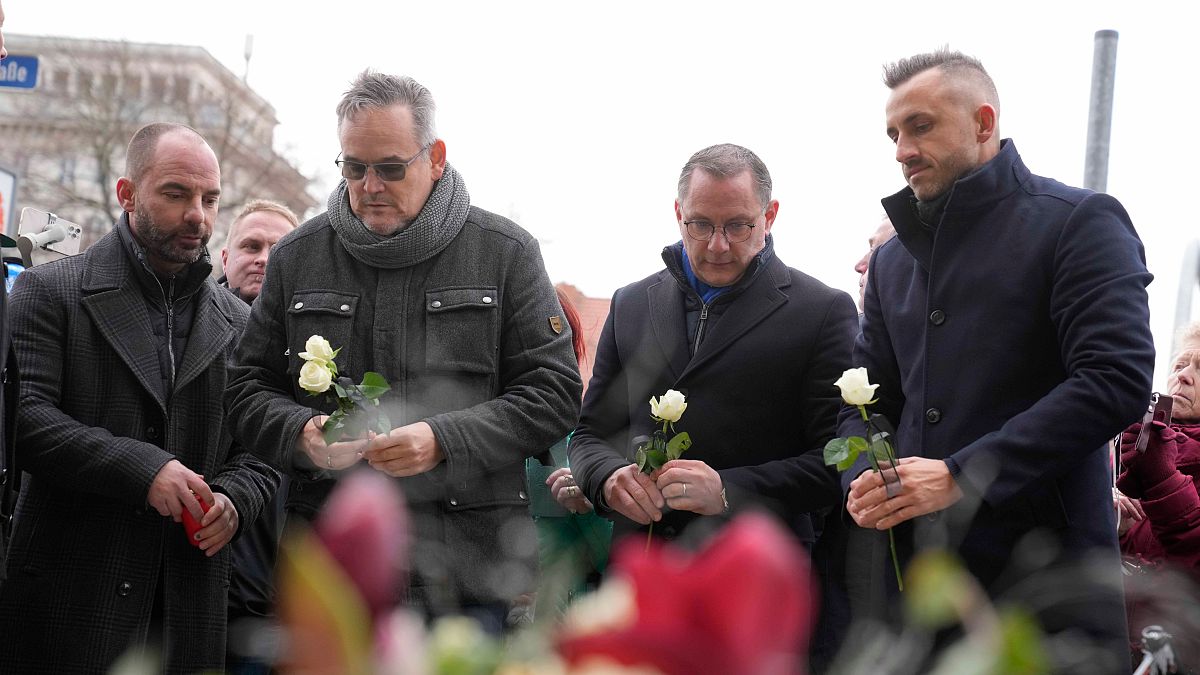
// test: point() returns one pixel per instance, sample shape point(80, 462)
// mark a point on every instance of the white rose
point(669, 406)
point(317, 349)
point(315, 377)
point(856, 389)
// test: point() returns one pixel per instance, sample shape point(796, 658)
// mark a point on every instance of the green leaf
point(373, 385)
point(642, 460)
point(836, 451)
point(678, 445)
point(939, 587)
point(655, 459)
point(1022, 644)
point(338, 389)
point(331, 431)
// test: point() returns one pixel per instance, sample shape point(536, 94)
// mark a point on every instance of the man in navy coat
point(1007, 328)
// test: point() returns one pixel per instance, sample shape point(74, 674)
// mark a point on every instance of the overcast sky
point(575, 118)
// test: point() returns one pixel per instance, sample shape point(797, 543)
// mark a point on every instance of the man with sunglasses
point(754, 345)
point(453, 307)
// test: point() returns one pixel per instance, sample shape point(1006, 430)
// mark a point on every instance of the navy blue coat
point(1012, 341)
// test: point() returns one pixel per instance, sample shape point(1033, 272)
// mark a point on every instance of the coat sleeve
point(539, 381)
point(263, 416)
point(804, 482)
point(604, 419)
point(1099, 309)
point(248, 481)
point(1173, 509)
point(52, 444)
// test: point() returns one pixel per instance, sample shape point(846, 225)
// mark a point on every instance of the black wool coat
point(760, 393)
point(88, 555)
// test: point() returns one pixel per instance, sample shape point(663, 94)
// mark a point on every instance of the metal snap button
point(298, 305)
point(435, 304)
point(345, 308)
point(487, 299)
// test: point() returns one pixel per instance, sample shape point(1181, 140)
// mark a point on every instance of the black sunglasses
point(386, 171)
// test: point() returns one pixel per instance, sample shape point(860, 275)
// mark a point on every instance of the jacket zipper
point(170, 302)
point(700, 327)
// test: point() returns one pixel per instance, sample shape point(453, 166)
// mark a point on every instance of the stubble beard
point(162, 244)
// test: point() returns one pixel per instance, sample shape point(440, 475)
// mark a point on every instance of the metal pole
point(1104, 67)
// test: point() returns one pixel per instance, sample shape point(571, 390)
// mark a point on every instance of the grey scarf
point(434, 228)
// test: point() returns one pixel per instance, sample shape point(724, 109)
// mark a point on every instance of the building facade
point(66, 138)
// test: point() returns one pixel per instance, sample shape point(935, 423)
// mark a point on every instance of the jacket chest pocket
point(329, 314)
point(462, 328)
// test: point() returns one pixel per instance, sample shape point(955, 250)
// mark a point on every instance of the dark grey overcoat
point(93, 430)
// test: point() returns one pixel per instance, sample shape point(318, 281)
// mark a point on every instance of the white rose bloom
point(669, 406)
point(856, 389)
point(317, 349)
point(315, 377)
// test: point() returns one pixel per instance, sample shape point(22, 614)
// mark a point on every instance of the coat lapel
point(669, 322)
point(115, 304)
point(210, 335)
point(764, 296)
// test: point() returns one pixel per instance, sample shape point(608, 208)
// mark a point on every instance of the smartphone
point(1159, 410)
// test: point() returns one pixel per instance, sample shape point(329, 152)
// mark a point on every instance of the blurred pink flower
point(364, 525)
point(741, 606)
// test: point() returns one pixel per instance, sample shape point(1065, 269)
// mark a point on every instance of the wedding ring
point(329, 461)
point(684, 493)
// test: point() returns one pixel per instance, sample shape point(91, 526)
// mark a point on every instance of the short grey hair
point(727, 160)
point(953, 63)
point(377, 90)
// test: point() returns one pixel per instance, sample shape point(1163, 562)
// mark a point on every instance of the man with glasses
point(755, 346)
point(453, 307)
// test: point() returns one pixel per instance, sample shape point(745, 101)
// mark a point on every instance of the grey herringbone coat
point(94, 428)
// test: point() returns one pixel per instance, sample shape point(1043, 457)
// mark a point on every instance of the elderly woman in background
point(1160, 536)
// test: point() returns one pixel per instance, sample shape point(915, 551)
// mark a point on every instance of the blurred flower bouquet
point(358, 408)
point(656, 450)
point(858, 391)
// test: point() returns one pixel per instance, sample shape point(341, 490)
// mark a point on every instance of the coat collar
point(114, 300)
point(976, 192)
point(762, 295)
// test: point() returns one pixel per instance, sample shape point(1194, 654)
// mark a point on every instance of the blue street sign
point(19, 72)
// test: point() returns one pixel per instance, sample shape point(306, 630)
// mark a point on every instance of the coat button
point(298, 305)
point(152, 433)
point(345, 308)
point(124, 588)
point(453, 502)
point(487, 299)
point(521, 494)
point(435, 304)
point(937, 317)
point(933, 415)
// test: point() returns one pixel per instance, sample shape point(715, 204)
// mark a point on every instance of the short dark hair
point(727, 160)
point(145, 140)
point(953, 63)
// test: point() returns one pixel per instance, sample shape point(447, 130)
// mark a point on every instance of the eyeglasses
point(735, 233)
point(385, 171)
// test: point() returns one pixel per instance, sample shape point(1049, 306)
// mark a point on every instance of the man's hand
point(690, 485)
point(566, 492)
point(218, 526)
point(926, 487)
point(405, 451)
point(175, 488)
point(634, 495)
point(335, 456)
